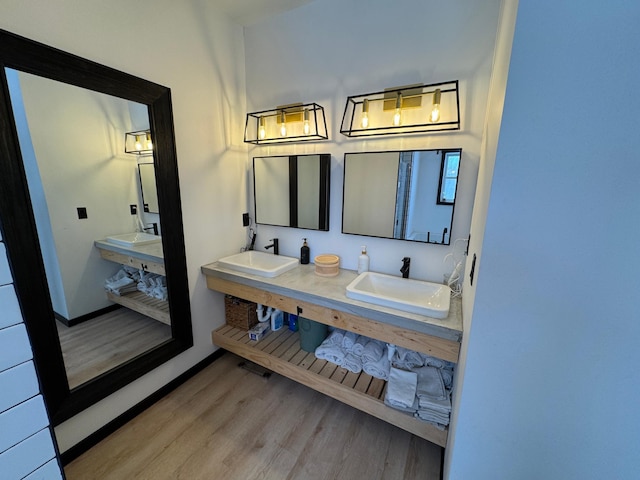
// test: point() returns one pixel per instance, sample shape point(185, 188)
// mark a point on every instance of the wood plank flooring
point(102, 343)
point(227, 423)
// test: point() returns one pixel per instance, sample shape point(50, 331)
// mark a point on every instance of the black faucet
point(154, 227)
point(406, 264)
point(274, 245)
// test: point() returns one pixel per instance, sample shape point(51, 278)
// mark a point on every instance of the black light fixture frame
point(354, 103)
point(142, 152)
point(318, 133)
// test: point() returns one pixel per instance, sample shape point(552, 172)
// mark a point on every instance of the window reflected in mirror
point(292, 191)
point(148, 190)
point(403, 195)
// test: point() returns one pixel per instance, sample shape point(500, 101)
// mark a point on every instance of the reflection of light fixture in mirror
point(435, 111)
point(283, 124)
point(397, 115)
point(365, 113)
point(305, 123)
point(403, 110)
point(139, 142)
point(295, 122)
point(262, 133)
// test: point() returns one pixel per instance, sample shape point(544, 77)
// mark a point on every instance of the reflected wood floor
point(97, 345)
point(227, 423)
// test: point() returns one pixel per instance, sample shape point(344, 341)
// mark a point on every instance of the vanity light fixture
point(139, 143)
point(286, 124)
point(403, 110)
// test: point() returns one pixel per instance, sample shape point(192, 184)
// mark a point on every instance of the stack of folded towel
point(355, 353)
point(421, 392)
point(120, 283)
point(416, 383)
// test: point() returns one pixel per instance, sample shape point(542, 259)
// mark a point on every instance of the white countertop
point(152, 252)
point(302, 283)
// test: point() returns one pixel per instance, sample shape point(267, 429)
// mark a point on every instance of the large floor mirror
point(68, 187)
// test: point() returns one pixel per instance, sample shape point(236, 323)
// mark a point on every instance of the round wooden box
point(327, 265)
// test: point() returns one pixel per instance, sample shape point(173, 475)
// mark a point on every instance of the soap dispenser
point(363, 260)
point(304, 252)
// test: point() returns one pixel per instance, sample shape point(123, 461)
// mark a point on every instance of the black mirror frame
point(19, 234)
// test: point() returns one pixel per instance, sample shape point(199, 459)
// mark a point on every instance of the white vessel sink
point(408, 295)
point(134, 239)
point(259, 263)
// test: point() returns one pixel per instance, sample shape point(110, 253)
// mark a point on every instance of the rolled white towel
point(372, 351)
point(358, 345)
point(407, 359)
point(436, 362)
point(401, 387)
point(379, 368)
point(335, 337)
point(352, 362)
point(330, 352)
point(348, 340)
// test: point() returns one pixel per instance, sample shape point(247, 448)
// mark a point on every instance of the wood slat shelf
point(280, 352)
point(144, 304)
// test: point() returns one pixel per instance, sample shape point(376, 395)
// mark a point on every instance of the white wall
point(199, 54)
point(78, 139)
point(551, 384)
point(327, 50)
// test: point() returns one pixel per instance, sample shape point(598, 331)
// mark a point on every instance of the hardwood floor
point(228, 423)
point(97, 345)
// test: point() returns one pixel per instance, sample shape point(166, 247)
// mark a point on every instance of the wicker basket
point(240, 313)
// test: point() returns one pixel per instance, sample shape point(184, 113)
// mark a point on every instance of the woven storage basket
point(240, 313)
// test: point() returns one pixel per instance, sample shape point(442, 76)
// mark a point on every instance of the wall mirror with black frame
point(292, 191)
point(67, 182)
point(402, 195)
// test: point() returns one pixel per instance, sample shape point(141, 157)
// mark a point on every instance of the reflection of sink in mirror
point(134, 239)
point(259, 263)
point(408, 295)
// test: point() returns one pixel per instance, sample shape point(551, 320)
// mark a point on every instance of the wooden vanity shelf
point(144, 304)
point(138, 301)
point(280, 352)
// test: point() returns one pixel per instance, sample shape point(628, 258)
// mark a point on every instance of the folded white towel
point(348, 340)
point(412, 409)
point(352, 362)
point(430, 383)
point(372, 351)
point(379, 369)
point(358, 345)
point(442, 405)
point(401, 387)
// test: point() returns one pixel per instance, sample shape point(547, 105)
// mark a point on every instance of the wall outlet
point(245, 219)
point(82, 213)
point(133, 209)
